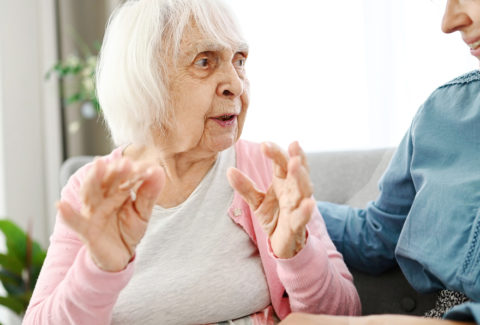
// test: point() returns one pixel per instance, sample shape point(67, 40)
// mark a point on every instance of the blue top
point(427, 216)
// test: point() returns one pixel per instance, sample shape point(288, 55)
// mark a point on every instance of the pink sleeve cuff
point(302, 260)
point(91, 282)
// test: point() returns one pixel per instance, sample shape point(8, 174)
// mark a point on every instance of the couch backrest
point(70, 166)
point(351, 177)
point(348, 177)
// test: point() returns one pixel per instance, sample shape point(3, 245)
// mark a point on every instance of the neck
point(183, 170)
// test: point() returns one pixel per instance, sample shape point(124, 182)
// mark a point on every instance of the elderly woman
point(153, 233)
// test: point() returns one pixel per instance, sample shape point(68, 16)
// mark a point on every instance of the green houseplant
point(20, 266)
point(81, 68)
point(83, 119)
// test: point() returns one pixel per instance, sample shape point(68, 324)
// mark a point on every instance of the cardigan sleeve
point(71, 289)
point(317, 279)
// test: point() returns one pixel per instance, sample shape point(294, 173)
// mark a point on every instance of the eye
point(202, 63)
point(239, 61)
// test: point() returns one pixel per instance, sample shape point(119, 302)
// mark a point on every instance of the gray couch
point(347, 177)
point(351, 178)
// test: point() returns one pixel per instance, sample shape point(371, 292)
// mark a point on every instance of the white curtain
point(346, 74)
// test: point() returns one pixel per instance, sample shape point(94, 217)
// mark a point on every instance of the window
point(344, 74)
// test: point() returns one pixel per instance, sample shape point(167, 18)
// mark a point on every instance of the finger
point(294, 149)
point(73, 219)
point(296, 187)
point(91, 192)
point(301, 216)
point(268, 212)
point(149, 191)
point(278, 157)
point(124, 176)
point(110, 171)
point(245, 187)
point(300, 175)
point(139, 173)
point(120, 172)
point(311, 319)
point(132, 226)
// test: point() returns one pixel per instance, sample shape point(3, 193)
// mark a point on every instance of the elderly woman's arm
point(74, 286)
point(308, 265)
point(305, 319)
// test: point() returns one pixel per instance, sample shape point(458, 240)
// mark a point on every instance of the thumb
point(149, 191)
point(245, 187)
point(72, 218)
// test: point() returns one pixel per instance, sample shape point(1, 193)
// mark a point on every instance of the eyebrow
point(212, 46)
point(242, 47)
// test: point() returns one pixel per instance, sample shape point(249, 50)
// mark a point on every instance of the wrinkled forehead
point(196, 41)
point(212, 28)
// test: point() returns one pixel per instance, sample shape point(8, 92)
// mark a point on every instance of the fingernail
point(268, 146)
point(127, 184)
point(149, 171)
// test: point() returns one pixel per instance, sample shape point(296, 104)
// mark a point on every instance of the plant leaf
point(16, 239)
point(39, 254)
point(13, 284)
point(13, 304)
point(11, 264)
point(96, 104)
point(74, 98)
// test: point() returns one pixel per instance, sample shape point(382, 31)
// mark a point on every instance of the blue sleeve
point(367, 237)
point(467, 312)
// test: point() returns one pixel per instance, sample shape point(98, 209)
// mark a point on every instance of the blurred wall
point(82, 24)
point(30, 142)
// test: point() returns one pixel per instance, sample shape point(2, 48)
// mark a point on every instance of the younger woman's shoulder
point(466, 78)
point(456, 93)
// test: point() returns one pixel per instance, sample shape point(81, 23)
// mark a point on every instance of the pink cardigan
point(71, 289)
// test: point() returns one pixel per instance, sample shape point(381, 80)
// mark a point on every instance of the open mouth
point(225, 118)
point(475, 45)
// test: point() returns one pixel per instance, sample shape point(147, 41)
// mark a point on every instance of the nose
point(231, 84)
point(455, 17)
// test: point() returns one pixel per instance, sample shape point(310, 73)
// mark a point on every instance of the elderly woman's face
point(209, 92)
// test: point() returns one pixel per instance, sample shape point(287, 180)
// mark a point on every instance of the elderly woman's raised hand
point(111, 222)
point(286, 207)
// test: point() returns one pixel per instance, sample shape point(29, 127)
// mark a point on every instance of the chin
point(223, 144)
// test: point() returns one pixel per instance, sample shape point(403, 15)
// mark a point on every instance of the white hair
point(131, 78)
